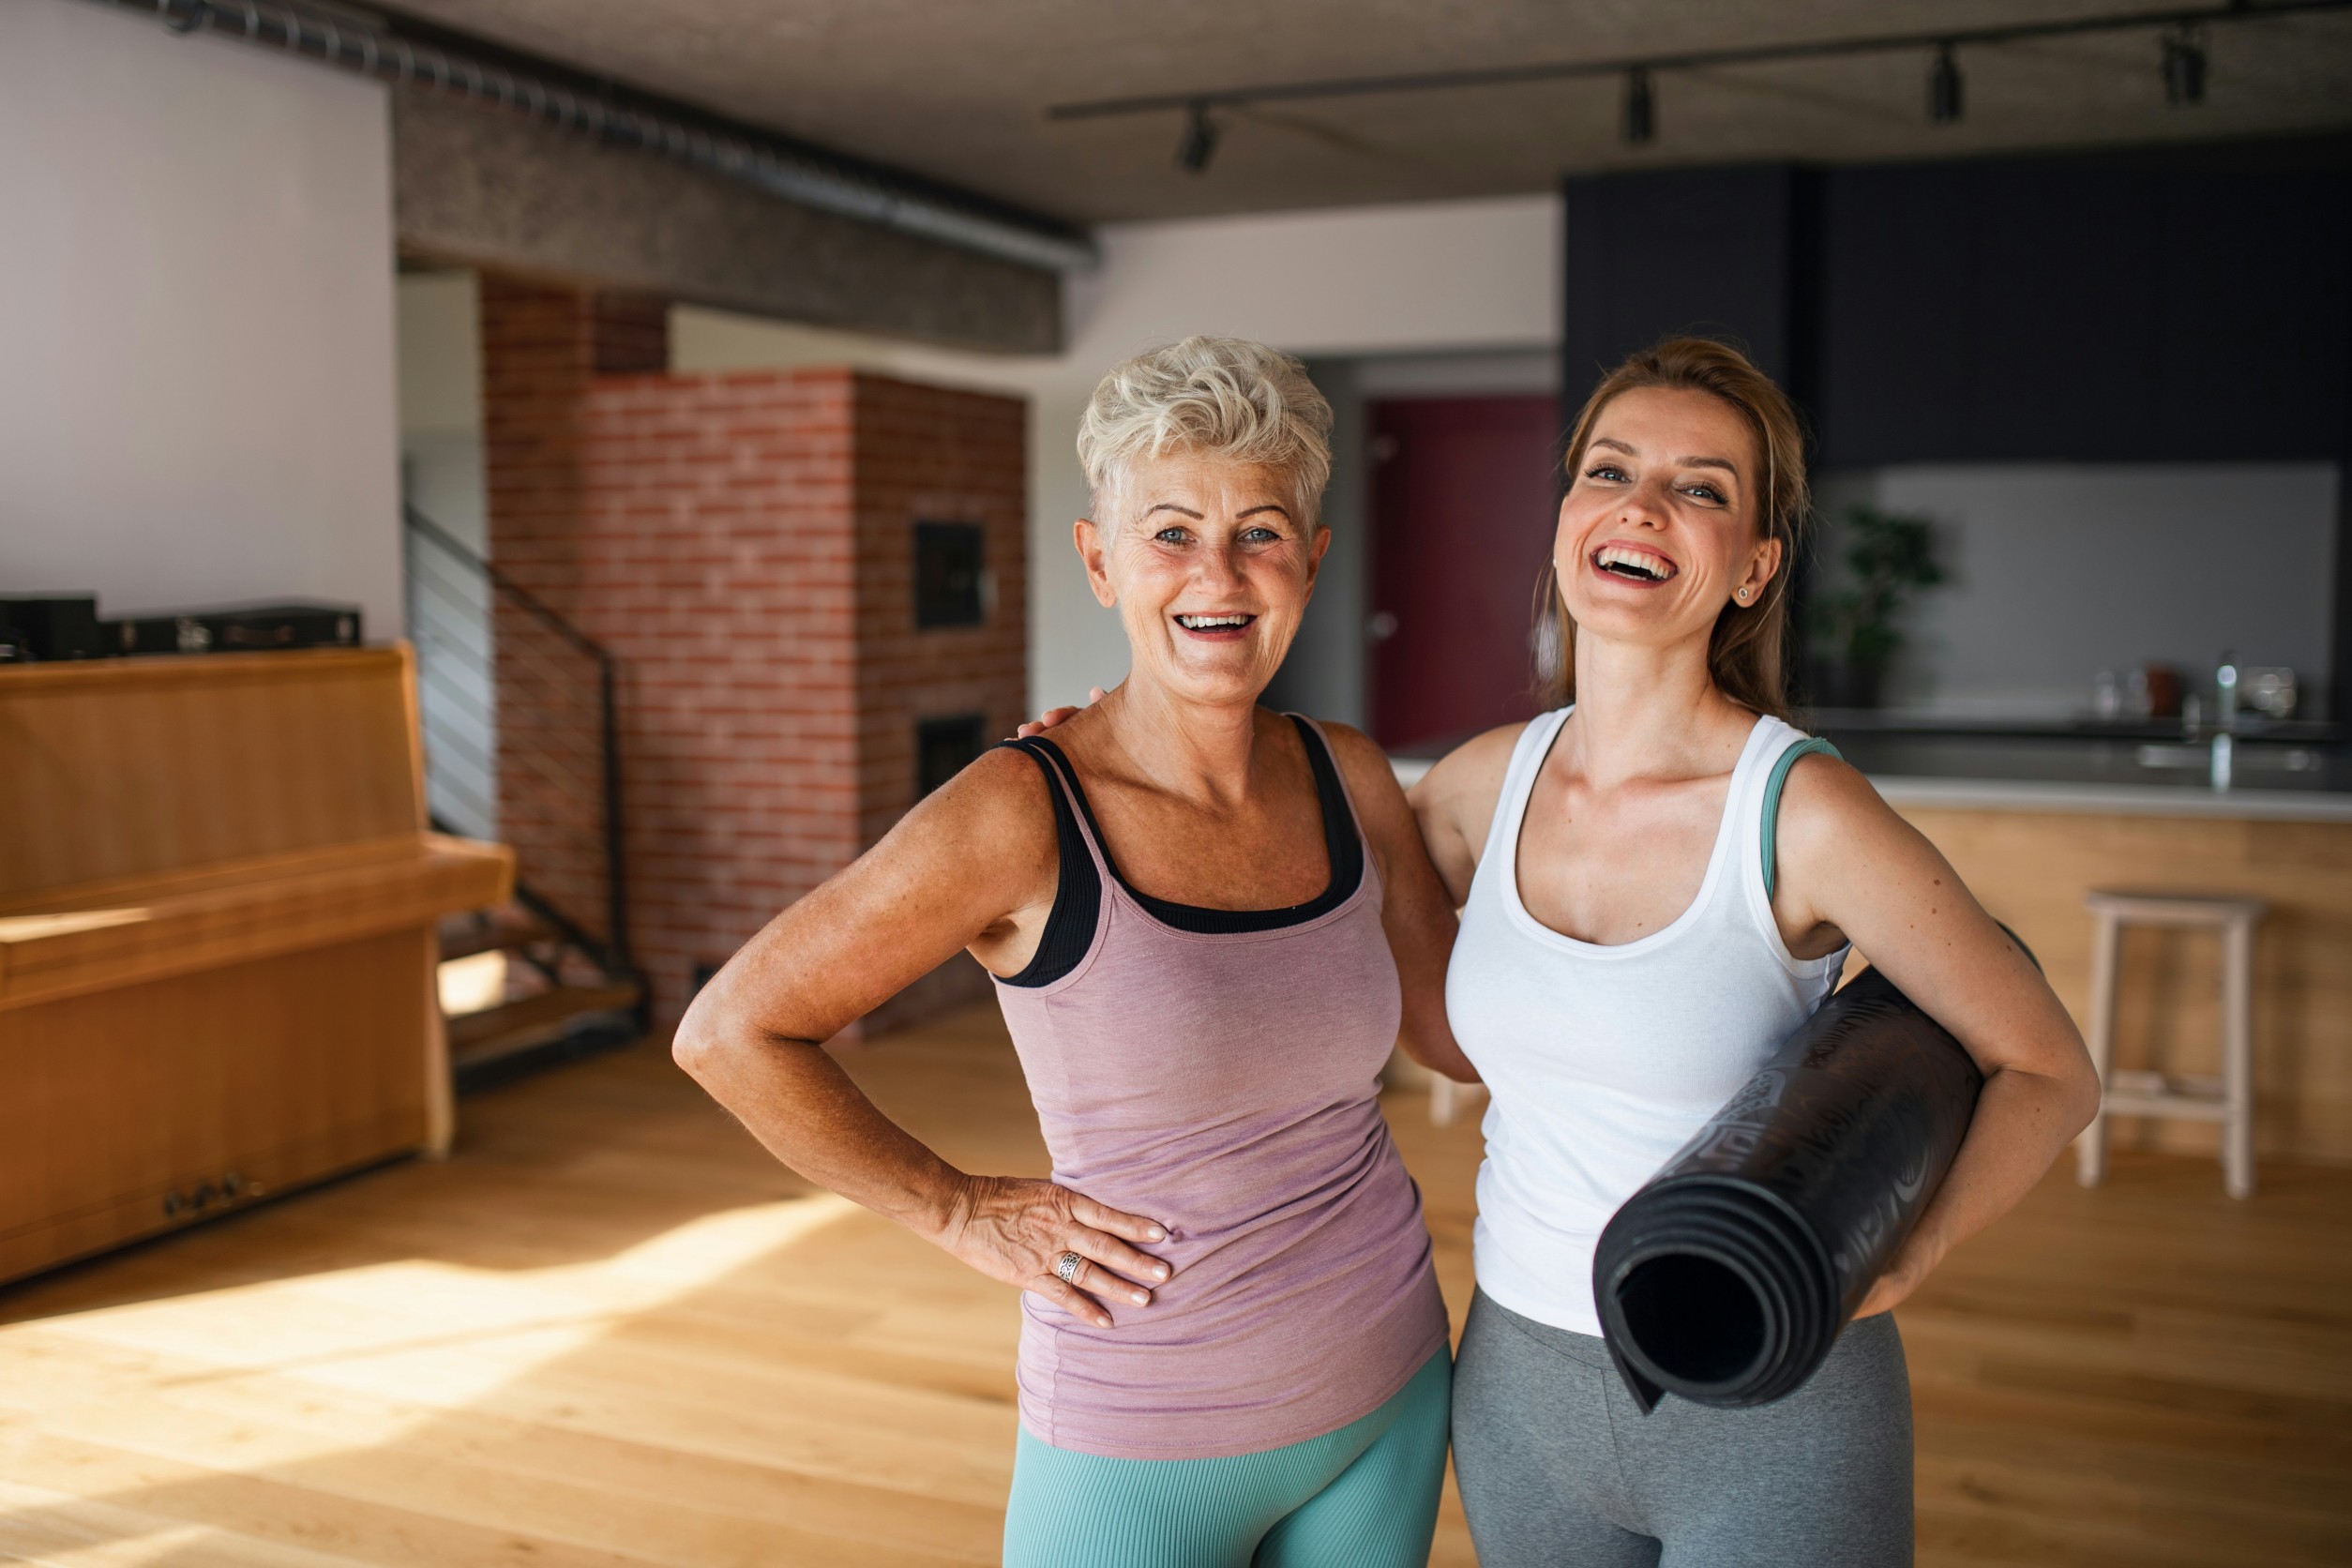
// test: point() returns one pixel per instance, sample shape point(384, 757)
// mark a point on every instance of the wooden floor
point(610, 1332)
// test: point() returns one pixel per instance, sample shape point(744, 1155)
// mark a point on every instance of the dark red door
point(1463, 505)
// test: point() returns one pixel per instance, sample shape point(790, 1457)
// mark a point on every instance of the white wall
point(196, 354)
point(439, 342)
point(440, 336)
point(1426, 279)
point(1388, 279)
point(2060, 571)
point(441, 476)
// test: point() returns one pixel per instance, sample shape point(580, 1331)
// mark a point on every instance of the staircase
point(517, 709)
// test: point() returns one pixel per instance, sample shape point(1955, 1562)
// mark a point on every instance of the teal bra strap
point(1772, 787)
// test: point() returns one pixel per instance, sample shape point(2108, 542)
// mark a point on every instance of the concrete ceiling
point(958, 90)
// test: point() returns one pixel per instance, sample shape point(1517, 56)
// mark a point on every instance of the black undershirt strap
point(1077, 897)
point(1342, 844)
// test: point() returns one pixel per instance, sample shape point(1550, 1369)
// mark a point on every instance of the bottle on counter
point(2156, 691)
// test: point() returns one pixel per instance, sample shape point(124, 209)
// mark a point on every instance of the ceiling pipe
point(747, 156)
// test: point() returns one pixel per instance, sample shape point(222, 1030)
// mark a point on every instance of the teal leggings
point(1362, 1497)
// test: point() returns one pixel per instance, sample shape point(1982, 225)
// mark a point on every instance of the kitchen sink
point(2247, 758)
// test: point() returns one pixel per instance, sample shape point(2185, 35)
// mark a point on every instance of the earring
point(1743, 594)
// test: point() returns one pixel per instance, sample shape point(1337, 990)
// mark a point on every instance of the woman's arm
point(1416, 913)
point(753, 1036)
point(1454, 804)
point(1849, 861)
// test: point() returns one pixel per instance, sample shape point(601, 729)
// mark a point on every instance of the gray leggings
point(1559, 1467)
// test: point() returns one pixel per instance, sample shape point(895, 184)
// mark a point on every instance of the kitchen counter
point(2074, 776)
point(1903, 792)
point(2070, 798)
point(1898, 721)
point(2171, 776)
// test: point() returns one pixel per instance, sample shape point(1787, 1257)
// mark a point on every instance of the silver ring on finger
point(1066, 1267)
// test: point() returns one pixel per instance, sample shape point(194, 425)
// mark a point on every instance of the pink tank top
point(1225, 1083)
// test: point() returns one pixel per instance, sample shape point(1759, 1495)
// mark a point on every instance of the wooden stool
point(1446, 1097)
point(2227, 1099)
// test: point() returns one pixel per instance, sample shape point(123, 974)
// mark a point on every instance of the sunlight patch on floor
point(423, 1307)
point(57, 1530)
point(422, 1336)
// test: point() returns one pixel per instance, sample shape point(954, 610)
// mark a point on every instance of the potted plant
point(1888, 559)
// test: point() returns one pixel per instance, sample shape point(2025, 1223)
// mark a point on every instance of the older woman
point(1208, 924)
point(1640, 930)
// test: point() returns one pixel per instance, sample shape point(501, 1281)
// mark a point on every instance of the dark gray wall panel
point(1703, 250)
point(2081, 311)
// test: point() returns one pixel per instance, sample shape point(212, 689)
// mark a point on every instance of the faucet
point(2224, 719)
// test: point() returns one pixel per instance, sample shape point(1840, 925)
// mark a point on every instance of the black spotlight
point(1641, 110)
point(1199, 144)
point(2184, 66)
point(1944, 88)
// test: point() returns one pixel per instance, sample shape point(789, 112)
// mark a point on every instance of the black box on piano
point(239, 628)
point(48, 627)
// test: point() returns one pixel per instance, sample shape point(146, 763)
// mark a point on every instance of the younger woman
point(1640, 931)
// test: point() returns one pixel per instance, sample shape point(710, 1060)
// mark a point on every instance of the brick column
point(723, 568)
point(927, 453)
point(744, 543)
point(538, 360)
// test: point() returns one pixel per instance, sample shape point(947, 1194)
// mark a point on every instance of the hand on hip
point(1057, 1243)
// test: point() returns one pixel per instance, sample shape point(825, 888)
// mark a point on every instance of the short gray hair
point(1223, 397)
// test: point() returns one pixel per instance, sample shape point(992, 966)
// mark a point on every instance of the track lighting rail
point(1202, 101)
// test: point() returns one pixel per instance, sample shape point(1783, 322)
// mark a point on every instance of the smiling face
point(1660, 527)
point(1210, 569)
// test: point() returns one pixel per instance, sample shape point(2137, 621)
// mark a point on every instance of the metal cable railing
point(522, 733)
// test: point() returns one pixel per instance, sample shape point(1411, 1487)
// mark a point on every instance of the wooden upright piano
point(217, 951)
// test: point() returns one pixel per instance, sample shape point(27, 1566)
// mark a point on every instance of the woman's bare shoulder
point(1368, 768)
point(1474, 769)
point(995, 818)
point(1371, 777)
point(1832, 825)
point(1826, 796)
point(1454, 801)
point(1359, 756)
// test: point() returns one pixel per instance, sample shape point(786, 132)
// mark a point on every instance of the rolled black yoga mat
point(1728, 1278)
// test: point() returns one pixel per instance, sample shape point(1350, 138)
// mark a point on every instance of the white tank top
point(1603, 1060)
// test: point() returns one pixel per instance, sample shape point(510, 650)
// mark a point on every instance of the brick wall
point(743, 544)
point(538, 358)
point(929, 454)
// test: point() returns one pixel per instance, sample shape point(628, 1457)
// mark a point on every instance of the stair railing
point(469, 678)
